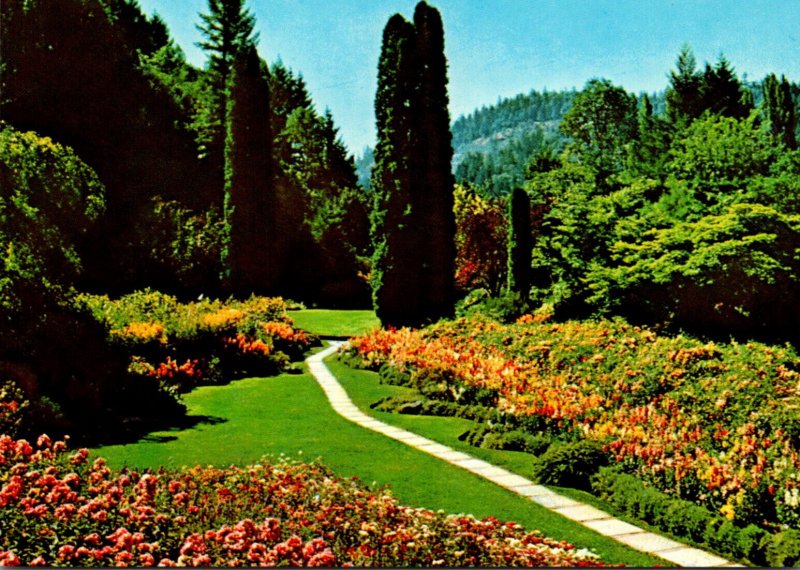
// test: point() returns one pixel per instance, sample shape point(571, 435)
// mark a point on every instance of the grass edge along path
point(676, 552)
point(256, 417)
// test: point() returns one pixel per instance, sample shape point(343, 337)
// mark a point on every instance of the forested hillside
point(106, 80)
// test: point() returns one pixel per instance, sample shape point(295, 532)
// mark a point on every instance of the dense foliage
point(64, 509)
point(413, 224)
point(57, 372)
point(686, 218)
point(155, 134)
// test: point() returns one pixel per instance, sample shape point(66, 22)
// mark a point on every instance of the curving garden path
point(591, 517)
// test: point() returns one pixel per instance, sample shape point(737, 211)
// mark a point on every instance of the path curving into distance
point(590, 517)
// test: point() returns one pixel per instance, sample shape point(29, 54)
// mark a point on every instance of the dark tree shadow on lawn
point(134, 430)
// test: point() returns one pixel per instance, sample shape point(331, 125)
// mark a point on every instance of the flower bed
point(62, 509)
point(184, 344)
point(714, 424)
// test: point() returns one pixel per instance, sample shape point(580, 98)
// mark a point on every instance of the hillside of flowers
point(717, 424)
point(64, 508)
point(186, 344)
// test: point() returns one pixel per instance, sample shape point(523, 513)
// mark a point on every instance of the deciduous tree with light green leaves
point(601, 123)
point(733, 273)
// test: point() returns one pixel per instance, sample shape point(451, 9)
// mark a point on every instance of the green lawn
point(289, 414)
point(331, 323)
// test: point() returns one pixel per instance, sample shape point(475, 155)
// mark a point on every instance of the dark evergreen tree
point(249, 257)
point(722, 93)
point(780, 110)
point(70, 71)
point(228, 28)
point(433, 168)
point(413, 225)
point(140, 33)
point(520, 244)
point(683, 94)
point(395, 225)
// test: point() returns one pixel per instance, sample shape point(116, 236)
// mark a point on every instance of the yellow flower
point(144, 332)
point(728, 511)
point(222, 319)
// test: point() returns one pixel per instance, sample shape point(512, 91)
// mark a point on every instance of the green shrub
point(390, 375)
point(569, 464)
point(504, 308)
point(474, 396)
point(683, 518)
point(492, 440)
point(748, 543)
point(783, 549)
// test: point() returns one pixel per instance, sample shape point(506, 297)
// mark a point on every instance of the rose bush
point(61, 508)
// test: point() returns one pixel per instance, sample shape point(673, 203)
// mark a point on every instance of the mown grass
point(289, 414)
point(364, 388)
point(334, 323)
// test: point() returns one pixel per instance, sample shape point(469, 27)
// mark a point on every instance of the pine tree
point(683, 94)
point(436, 181)
point(520, 244)
point(249, 254)
point(722, 93)
point(228, 28)
point(779, 110)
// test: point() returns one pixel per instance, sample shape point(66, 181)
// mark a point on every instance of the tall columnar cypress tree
point(396, 270)
point(249, 197)
point(413, 225)
point(435, 156)
point(520, 243)
point(779, 110)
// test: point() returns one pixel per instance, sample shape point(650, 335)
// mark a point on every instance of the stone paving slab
point(692, 557)
point(649, 542)
point(471, 464)
point(582, 513)
point(531, 490)
point(436, 449)
point(495, 473)
point(555, 501)
point(510, 480)
point(612, 527)
point(453, 456)
point(586, 515)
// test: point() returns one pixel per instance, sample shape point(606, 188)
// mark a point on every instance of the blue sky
point(499, 48)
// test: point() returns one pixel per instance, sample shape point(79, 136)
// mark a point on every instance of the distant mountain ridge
point(493, 144)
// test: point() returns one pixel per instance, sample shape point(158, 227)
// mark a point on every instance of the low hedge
point(687, 520)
